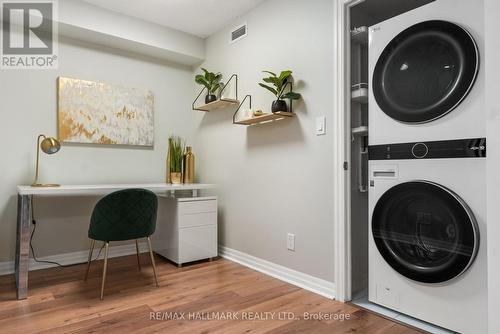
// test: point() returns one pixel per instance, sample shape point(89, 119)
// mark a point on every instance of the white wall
point(275, 178)
point(28, 108)
point(492, 54)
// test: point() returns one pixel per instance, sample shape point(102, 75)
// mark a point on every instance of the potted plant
point(212, 82)
point(175, 155)
point(279, 84)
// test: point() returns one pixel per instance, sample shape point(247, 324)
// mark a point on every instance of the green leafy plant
point(211, 81)
point(176, 149)
point(279, 84)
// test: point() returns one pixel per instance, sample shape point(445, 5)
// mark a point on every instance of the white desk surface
point(99, 189)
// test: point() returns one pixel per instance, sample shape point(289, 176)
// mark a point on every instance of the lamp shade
point(50, 145)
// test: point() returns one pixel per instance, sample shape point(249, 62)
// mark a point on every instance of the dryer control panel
point(444, 149)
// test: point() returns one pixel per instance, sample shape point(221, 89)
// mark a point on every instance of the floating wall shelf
point(359, 93)
point(266, 117)
point(221, 103)
point(360, 35)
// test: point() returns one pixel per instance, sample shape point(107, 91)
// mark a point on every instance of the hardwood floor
point(210, 297)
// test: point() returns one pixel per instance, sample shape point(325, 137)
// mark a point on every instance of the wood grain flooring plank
point(60, 301)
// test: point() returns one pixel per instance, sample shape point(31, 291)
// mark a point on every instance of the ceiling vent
point(238, 33)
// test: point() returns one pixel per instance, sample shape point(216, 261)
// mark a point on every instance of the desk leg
point(22, 245)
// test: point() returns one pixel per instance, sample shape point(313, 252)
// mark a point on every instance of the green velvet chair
point(123, 215)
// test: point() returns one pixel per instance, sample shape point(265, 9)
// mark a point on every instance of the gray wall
point(28, 108)
point(275, 178)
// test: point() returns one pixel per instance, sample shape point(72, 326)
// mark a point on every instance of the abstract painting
point(97, 113)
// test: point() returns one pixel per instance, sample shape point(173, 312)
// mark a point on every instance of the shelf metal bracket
point(289, 83)
point(239, 107)
point(233, 76)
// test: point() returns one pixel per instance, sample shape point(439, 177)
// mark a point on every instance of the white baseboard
point(305, 281)
point(75, 257)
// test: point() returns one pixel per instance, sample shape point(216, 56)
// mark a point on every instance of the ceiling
point(198, 17)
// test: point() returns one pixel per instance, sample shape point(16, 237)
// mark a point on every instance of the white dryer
point(427, 231)
point(424, 74)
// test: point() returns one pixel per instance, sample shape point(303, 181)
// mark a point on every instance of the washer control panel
point(419, 150)
point(444, 149)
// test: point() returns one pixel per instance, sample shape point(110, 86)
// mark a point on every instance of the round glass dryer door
point(425, 232)
point(425, 72)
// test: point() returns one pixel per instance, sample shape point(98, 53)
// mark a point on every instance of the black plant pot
point(279, 105)
point(210, 98)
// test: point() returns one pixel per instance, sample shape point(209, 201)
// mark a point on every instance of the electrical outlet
point(290, 241)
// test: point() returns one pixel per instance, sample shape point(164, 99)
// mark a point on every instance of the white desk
point(24, 207)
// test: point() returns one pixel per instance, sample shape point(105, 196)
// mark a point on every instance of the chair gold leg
point(91, 250)
point(153, 261)
point(104, 269)
point(137, 249)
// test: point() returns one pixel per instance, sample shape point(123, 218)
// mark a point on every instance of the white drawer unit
point(186, 229)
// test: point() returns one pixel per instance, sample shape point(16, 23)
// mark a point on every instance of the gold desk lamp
point(49, 145)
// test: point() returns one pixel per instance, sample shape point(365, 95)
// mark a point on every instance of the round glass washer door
point(425, 71)
point(425, 231)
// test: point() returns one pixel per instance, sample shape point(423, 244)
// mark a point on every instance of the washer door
point(425, 72)
point(425, 231)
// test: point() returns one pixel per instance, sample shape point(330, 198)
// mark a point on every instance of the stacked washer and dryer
point(427, 183)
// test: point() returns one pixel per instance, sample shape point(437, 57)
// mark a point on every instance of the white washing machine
point(425, 78)
point(427, 237)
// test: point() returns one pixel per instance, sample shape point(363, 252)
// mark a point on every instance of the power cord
point(33, 221)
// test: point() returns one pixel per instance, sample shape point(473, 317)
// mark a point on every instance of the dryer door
point(425, 71)
point(425, 231)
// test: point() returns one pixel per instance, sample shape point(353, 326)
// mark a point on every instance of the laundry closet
point(362, 16)
point(417, 141)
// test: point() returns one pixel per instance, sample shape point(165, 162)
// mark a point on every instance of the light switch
point(320, 125)
point(290, 241)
